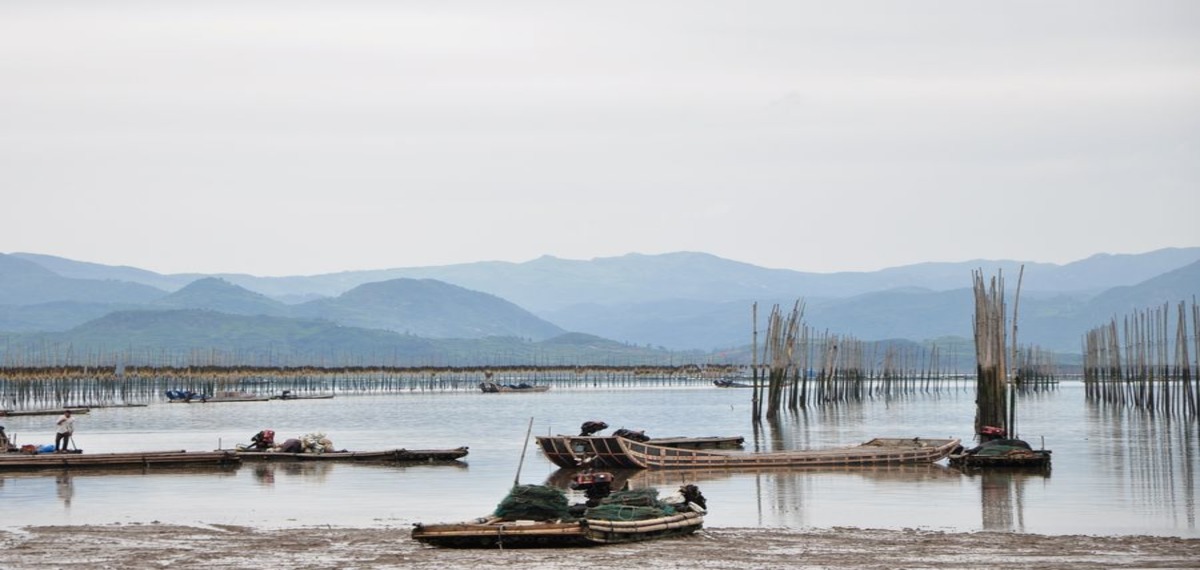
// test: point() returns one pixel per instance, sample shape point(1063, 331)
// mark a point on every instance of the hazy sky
point(292, 137)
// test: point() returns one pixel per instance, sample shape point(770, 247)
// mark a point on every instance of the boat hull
point(879, 451)
point(27, 462)
point(604, 451)
point(496, 533)
point(493, 388)
point(397, 455)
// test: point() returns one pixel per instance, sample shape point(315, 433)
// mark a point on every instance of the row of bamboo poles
point(1137, 362)
point(34, 388)
point(800, 366)
point(995, 408)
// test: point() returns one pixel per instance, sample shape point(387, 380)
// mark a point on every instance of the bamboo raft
point(17, 413)
point(396, 455)
point(625, 453)
point(603, 451)
point(26, 461)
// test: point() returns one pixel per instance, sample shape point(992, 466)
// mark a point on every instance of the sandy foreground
point(169, 546)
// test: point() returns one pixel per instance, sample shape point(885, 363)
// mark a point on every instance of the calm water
point(1113, 473)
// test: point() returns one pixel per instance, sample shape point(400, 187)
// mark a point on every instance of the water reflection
point(65, 489)
point(1156, 454)
point(783, 493)
point(1002, 495)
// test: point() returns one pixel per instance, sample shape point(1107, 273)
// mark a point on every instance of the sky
point(301, 137)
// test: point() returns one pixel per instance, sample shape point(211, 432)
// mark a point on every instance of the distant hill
point(99, 272)
point(55, 316)
point(190, 336)
point(547, 285)
point(216, 294)
point(428, 308)
point(250, 338)
point(24, 282)
point(679, 301)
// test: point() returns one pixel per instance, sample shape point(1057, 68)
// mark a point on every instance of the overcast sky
point(281, 138)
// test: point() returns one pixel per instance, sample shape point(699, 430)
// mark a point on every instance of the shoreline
point(156, 545)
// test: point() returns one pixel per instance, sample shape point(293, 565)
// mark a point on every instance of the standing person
point(66, 428)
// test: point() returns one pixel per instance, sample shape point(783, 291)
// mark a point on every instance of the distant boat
point(727, 383)
point(289, 395)
point(15, 413)
point(187, 397)
point(495, 387)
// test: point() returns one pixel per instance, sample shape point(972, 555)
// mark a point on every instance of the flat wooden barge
point(396, 455)
point(78, 460)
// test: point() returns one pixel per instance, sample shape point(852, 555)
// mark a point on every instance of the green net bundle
point(631, 505)
point(533, 502)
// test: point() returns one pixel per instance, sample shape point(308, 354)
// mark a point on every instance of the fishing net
point(630, 505)
point(533, 502)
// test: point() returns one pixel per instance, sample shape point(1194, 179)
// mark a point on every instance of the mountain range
point(639, 303)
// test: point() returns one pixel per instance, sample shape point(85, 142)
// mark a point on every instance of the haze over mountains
point(676, 301)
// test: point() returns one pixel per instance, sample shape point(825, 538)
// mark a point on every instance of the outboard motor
point(263, 440)
point(691, 494)
point(595, 485)
point(592, 427)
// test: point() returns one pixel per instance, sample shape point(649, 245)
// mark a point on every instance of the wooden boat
point(727, 383)
point(496, 388)
point(288, 395)
point(25, 461)
point(18, 413)
point(602, 451)
point(493, 532)
point(1001, 453)
point(620, 452)
point(576, 526)
point(218, 398)
point(396, 455)
point(878, 451)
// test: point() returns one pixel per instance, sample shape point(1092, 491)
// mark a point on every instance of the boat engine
point(692, 494)
point(595, 485)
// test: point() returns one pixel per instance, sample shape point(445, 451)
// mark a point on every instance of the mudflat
point(219, 546)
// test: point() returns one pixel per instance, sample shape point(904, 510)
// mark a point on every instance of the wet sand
point(182, 547)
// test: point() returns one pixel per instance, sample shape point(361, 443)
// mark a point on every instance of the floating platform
point(391, 455)
point(77, 460)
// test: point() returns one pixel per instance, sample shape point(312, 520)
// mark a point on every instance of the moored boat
point(186, 397)
point(290, 395)
point(55, 412)
point(394, 455)
point(620, 452)
point(878, 451)
point(603, 451)
point(76, 460)
point(537, 516)
point(496, 388)
point(728, 383)
point(1001, 453)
